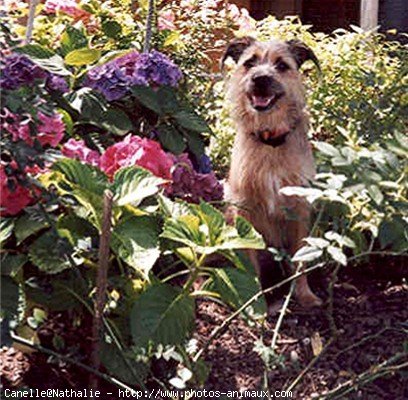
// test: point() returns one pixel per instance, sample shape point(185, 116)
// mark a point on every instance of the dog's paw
point(309, 300)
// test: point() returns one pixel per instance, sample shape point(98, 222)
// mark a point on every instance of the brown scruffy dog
point(271, 149)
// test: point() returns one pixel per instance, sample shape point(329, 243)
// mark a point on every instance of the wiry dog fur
point(268, 102)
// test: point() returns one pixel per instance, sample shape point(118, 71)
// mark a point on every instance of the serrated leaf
point(148, 97)
point(235, 287)
point(191, 121)
point(89, 104)
point(111, 28)
point(327, 149)
point(84, 56)
point(132, 185)
point(135, 241)
point(337, 254)
point(163, 314)
point(50, 253)
point(116, 121)
point(171, 139)
point(54, 64)
point(6, 228)
point(72, 39)
point(75, 228)
point(28, 225)
point(114, 360)
point(11, 264)
point(307, 253)
point(35, 50)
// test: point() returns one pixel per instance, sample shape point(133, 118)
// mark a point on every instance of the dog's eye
point(251, 62)
point(281, 66)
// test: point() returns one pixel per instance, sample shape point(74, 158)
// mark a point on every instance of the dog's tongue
point(259, 101)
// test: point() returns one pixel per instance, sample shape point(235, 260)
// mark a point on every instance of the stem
point(85, 367)
point(149, 24)
point(101, 282)
point(254, 298)
point(30, 20)
point(330, 307)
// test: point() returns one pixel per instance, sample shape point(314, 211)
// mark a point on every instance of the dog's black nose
point(262, 80)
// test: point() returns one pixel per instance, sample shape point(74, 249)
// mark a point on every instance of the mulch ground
point(370, 313)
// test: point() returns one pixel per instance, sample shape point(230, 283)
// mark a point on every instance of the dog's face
point(266, 86)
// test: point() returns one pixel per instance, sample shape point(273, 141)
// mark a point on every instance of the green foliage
point(162, 314)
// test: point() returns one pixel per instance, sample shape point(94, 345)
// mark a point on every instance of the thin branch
point(217, 331)
point(70, 360)
point(369, 375)
point(30, 20)
point(149, 26)
point(309, 366)
point(101, 282)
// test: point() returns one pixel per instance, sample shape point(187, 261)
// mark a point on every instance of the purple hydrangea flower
point(193, 186)
point(157, 68)
point(114, 78)
point(17, 70)
point(56, 83)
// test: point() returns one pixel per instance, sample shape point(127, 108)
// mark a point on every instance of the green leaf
point(11, 264)
point(111, 28)
point(6, 228)
point(162, 314)
point(375, 193)
point(72, 39)
point(205, 231)
point(54, 64)
point(195, 143)
point(307, 253)
point(116, 121)
point(316, 242)
point(90, 104)
point(132, 185)
point(113, 360)
point(135, 241)
point(191, 121)
point(337, 255)
point(75, 228)
point(9, 296)
point(28, 225)
point(327, 149)
point(173, 38)
point(82, 175)
point(393, 234)
point(148, 97)
point(35, 50)
point(171, 139)
point(169, 103)
point(236, 287)
point(85, 183)
point(83, 56)
point(50, 253)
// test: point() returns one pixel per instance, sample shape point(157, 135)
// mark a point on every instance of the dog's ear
point(236, 47)
point(302, 53)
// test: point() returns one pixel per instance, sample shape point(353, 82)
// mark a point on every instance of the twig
point(281, 316)
point(149, 24)
point(330, 308)
point(30, 20)
point(70, 360)
point(309, 366)
point(101, 283)
point(367, 376)
point(217, 331)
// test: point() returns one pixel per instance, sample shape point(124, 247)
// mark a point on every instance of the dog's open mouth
point(264, 103)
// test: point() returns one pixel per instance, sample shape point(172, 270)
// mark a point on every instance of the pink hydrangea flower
point(77, 149)
point(12, 201)
point(166, 20)
point(16, 126)
point(68, 7)
point(50, 130)
point(134, 150)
